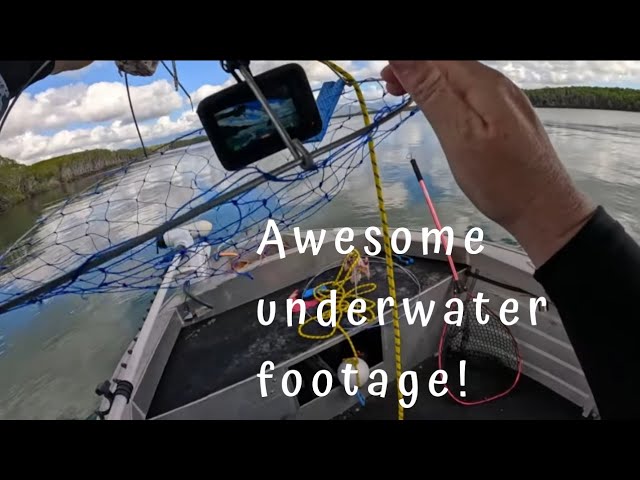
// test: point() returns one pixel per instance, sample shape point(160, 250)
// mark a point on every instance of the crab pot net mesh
point(491, 353)
point(92, 242)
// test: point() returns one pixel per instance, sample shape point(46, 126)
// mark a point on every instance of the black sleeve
point(594, 282)
point(16, 75)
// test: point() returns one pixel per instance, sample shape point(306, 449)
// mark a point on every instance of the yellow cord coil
point(344, 298)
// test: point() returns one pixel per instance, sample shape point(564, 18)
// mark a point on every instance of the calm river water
point(52, 356)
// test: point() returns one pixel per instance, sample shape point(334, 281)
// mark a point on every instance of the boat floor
point(216, 353)
point(529, 400)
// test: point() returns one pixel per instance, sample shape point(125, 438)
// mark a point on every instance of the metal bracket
point(123, 388)
point(297, 149)
point(306, 160)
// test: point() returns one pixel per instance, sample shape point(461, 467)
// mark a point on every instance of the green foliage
point(6, 161)
point(19, 182)
point(602, 98)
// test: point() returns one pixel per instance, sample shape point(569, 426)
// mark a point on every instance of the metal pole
point(127, 245)
point(141, 349)
point(265, 104)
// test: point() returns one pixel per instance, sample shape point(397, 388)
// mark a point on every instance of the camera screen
point(248, 122)
point(240, 129)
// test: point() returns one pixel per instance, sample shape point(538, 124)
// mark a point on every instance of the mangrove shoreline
point(20, 182)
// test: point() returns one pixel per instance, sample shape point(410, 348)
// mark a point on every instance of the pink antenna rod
point(434, 215)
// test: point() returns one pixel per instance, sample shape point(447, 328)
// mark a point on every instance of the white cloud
point(371, 69)
point(203, 92)
point(99, 102)
point(62, 108)
point(31, 147)
point(536, 74)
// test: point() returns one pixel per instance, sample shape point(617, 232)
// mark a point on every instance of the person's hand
point(498, 150)
point(67, 65)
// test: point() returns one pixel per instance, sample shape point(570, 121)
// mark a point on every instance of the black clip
point(306, 161)
point(123, 387)
point(230, 66)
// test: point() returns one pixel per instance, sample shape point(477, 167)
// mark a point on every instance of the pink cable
point(444, 329)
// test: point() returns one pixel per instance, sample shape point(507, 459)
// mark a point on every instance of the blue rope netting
point(146, 193)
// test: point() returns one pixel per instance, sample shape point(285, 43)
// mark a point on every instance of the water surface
point(53, 355)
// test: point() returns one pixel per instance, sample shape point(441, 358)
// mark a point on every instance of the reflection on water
point(601, 151)
point(20, 218)
point(52, 355)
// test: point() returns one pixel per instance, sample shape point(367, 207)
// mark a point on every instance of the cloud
point(31, 147)
point(98, 116)
point(80, 103)
point(370, 69)
point(536, 74)
point(203, 92)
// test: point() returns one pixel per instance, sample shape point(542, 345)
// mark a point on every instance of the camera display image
point(245, 123)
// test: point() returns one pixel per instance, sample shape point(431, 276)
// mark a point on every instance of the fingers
point(461, 75)
point(440, 101)
point(419, 78)
point(466, 75)
point(394, 87)
point(485, 89)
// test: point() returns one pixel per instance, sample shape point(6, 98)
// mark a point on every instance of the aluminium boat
point(201, 347)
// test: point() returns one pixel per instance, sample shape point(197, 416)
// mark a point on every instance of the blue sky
point(88, 108)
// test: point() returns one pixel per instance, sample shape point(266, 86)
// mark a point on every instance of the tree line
point(19, 182)
point(601, 98)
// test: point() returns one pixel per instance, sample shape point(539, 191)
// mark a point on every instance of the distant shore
point(596, 98)
point(19, 182)
point(592, 98)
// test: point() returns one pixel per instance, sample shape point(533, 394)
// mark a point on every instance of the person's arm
point(503, 160)
point(69, 65)
point(594, 281)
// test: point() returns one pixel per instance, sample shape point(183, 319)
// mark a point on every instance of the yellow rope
point(344, 298)
point(348, 78)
